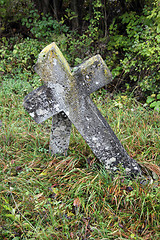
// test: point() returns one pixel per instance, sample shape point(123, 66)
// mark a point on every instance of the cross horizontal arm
point(92, 75)
point(41, 104)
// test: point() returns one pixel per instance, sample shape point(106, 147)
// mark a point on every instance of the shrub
point(17, 60)
point(135, 50)
point(13, 12)
point(43, 26)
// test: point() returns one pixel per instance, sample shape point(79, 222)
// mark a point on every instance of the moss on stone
point(52, 51)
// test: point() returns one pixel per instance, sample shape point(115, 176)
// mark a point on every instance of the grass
point(73, 197)
point(48, 197)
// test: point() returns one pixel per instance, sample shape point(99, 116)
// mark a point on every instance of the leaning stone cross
point(65, 98)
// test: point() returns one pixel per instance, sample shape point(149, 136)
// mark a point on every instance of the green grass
point(48, 197)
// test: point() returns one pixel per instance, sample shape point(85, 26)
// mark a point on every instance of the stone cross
point(65, 96)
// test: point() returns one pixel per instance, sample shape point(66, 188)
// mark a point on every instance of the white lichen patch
point(54, 61)
point(127, 169)
point(61, 128)
point(59, 88)
point(107, 148)
point(135, 168)
point(31, 114)
point(41, 111)
point(94, 139)
point(107, 166)
point(88, 119)
point(56, 106)
point(56, 133)
point(98, 144)
point(111, 160)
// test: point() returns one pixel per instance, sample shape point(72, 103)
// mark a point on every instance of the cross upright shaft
point(65, 96)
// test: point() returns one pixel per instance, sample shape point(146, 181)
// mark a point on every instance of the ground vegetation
point(73, 197)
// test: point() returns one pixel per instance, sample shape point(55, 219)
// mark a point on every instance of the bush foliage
point(130, 45)
point(139, 48)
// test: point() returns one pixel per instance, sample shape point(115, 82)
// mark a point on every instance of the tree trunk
point(74, 7)
point(45, 6)
point(42, 5)
point(80, 4)
point(105, 15)
point(57, 6)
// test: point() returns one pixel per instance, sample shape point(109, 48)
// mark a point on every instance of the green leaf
point(10, 216)
point(158, 28)
point(158, 96)
point(155, 104)
point(7, 207)
point(149, 99)
point(158, 38)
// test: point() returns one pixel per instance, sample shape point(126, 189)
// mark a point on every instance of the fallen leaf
point(72, 235)
point(77, 202)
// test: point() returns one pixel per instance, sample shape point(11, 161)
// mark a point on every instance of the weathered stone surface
point(60, 134)
point(65, 96)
